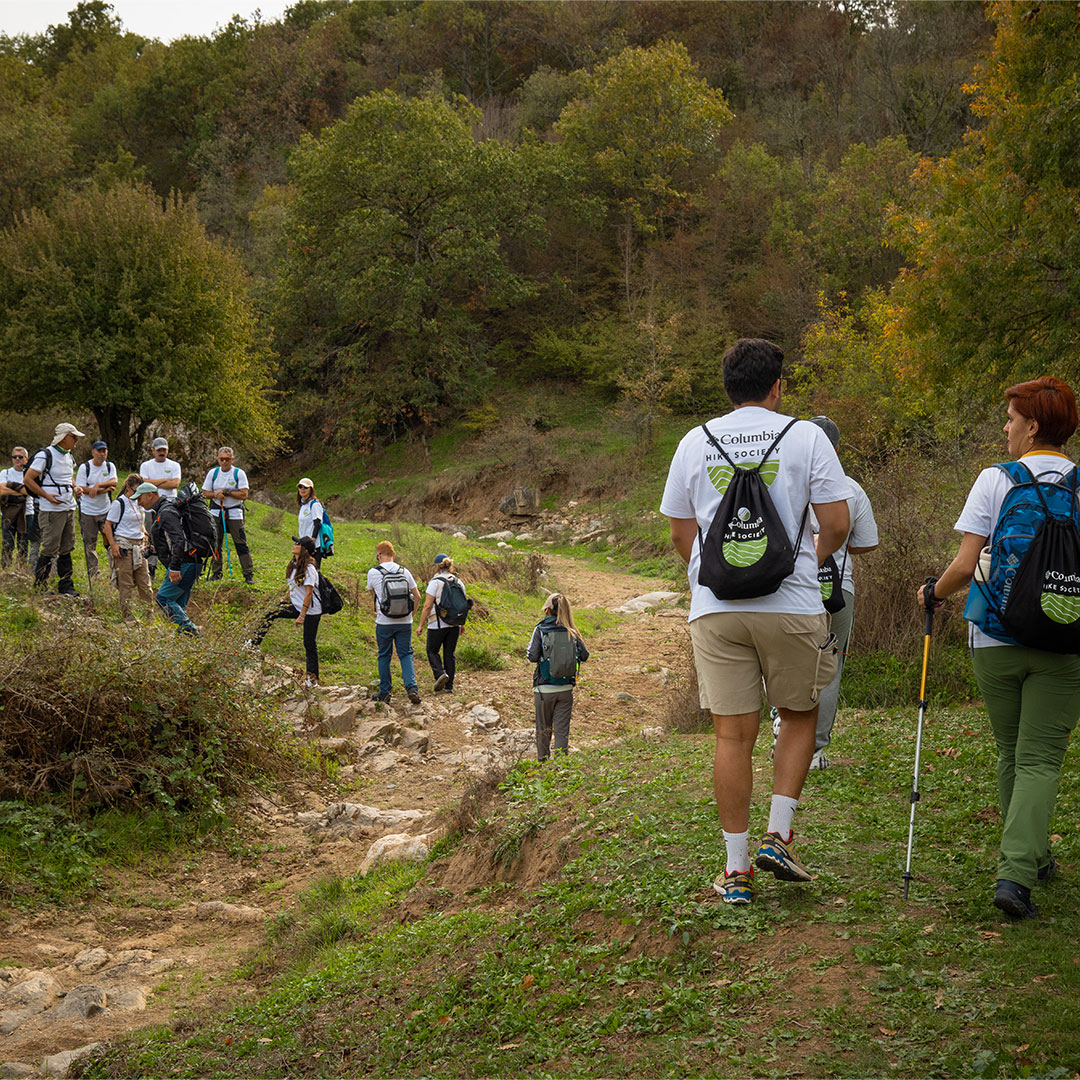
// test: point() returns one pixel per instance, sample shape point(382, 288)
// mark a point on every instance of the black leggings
point(285, 610)
point(445, 638)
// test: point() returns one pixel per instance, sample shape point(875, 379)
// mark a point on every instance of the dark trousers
point(238, 541)
point(553, 715)
point(14, 533)
point(443, 640)
point(285, 610)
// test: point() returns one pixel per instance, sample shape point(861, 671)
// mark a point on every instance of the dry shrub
point(272, 520)
point(916, 498)
point(684, 714)
point(128, 716)
point(462, 817)
point(521, 572)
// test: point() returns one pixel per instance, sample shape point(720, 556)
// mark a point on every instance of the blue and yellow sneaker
point(736, 887)
point(776, 856)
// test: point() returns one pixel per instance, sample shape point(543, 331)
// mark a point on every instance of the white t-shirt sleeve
point(864, 530)
point(208, 483)
point(979, 513)
point(676, 501)
point(827, 480)
point(115, 511)
point(81, 477)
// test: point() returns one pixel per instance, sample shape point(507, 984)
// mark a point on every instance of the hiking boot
point(736, 887)
point(249, 581)
point(776, 856)
point(414, 696)
point(310, 681)
point(1014, 899)
point(819, 760)
point(441, 681)
point(214, 577)
point(1048, 872)
point(384, 698)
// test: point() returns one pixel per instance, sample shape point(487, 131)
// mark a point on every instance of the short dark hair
point(751, 366)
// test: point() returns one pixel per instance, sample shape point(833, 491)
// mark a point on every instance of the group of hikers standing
point(761, 512)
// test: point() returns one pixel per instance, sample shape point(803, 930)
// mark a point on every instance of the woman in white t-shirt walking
point(441, 637)
point(303, 605)
point(1032, 696)
point(309, 514)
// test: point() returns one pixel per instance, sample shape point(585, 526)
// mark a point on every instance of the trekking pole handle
point(929, 602)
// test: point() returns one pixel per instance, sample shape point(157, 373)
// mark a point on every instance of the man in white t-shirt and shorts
point(94, 481)
point(393, 631)
point(51, 477)
point(226, 486)
point(782, 638)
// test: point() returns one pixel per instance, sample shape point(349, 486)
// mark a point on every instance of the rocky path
point(169, 935)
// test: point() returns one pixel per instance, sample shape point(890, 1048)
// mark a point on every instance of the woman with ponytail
point(556, 648)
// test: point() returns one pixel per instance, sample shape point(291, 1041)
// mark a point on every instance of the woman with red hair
point(1032, 695)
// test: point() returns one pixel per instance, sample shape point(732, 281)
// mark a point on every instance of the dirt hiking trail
point(157, 942)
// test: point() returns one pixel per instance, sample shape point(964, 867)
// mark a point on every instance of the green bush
point(477, 657)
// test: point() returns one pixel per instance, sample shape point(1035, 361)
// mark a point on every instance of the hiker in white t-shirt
point(226, 487)
point(441, 637)
point(1031, 695)
point(125, 533)
point(303, 605)
point(160, 470)
point(13, 500)
point(51, 477)
point(94, 481)
point(309, 514)
point(393, 631)
point(780, 636)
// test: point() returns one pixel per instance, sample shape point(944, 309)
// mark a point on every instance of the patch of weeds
point(45, 853)
point(477, 657)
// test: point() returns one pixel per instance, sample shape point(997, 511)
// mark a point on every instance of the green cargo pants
point(1033, 699)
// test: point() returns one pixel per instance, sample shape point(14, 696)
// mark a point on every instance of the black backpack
point(831, 580)
point(199, 527)
point(397, 599)
point(329, 597)
point(453, 606)
point(747, 551)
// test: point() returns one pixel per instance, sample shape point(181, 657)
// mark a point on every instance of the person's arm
point(834, 523)
point(32, 485)
point(535, 649)
point(112, 545)
point(167, 485)
point(308, 591)
point(108, 484)
point(81, 475)
point(240, 494)
point(861, 550)
point(415, 598)
point(5, 490)
point(429, 603)
point(959, 572)
point(683, 534)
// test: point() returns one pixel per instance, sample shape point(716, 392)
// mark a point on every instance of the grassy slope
point(622, 962)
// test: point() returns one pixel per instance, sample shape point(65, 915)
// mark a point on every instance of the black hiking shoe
point(384, 698)
point(441, 682)
point(414, 696)
point(1014, 899)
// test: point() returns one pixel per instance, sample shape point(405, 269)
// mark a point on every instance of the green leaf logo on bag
point(744, 539)
point(1062, 609)
point(721, 475)
point(826, 589)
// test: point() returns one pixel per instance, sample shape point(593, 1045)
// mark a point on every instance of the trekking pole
point(225, 537)
point(929, 604)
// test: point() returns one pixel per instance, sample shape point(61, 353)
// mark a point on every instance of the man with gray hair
point(226, 488)
point(13, 505)
point(51, 477)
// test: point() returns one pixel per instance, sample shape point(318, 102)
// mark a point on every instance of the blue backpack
point(1032, 597)
point(326, 536)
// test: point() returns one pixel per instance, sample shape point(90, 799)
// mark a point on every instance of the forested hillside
point(370, 214)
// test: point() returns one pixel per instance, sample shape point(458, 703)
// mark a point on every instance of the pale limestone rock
point(231, 913)
point(60, 1064)
point(395, 847)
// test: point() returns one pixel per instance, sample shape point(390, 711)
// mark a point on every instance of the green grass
point(624, 963)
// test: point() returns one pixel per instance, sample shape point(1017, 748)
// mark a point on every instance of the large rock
point(484, 716)
point(90, 960)
point(646, 601)
point(13, 1069)
point(354, 821)
point(80, 1003)
point(230, 913)
point(338, 717)
point(397, 846)
point(515, 742)
point(411, 739)
point(132, 964)
point(521, 502)
point(60, 1064)
point(26, 999)
point(502, 534)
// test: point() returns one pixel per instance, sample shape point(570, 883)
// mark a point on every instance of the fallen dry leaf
point(887, 1031)
point(527, 981)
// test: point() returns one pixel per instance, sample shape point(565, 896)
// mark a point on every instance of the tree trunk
point(114, 423)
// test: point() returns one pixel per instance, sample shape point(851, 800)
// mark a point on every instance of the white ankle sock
point(781, 811)
point(738, 854)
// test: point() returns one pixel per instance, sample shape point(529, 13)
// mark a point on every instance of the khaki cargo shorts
point(735, 650)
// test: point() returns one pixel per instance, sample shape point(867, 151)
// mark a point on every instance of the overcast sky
point(164, 19)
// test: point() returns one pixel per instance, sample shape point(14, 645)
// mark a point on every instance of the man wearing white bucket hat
point(51, 477)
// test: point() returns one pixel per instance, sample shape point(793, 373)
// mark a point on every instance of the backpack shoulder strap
point(213, 479)
point(765, 457)
point(1016, 471)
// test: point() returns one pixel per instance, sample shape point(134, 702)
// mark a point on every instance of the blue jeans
point(387, 637)
point(173, 597)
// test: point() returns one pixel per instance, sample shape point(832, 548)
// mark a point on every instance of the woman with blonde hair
point(556, 648)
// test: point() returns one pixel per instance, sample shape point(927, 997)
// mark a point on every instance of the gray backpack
point(397, 600)
point(559, 648)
